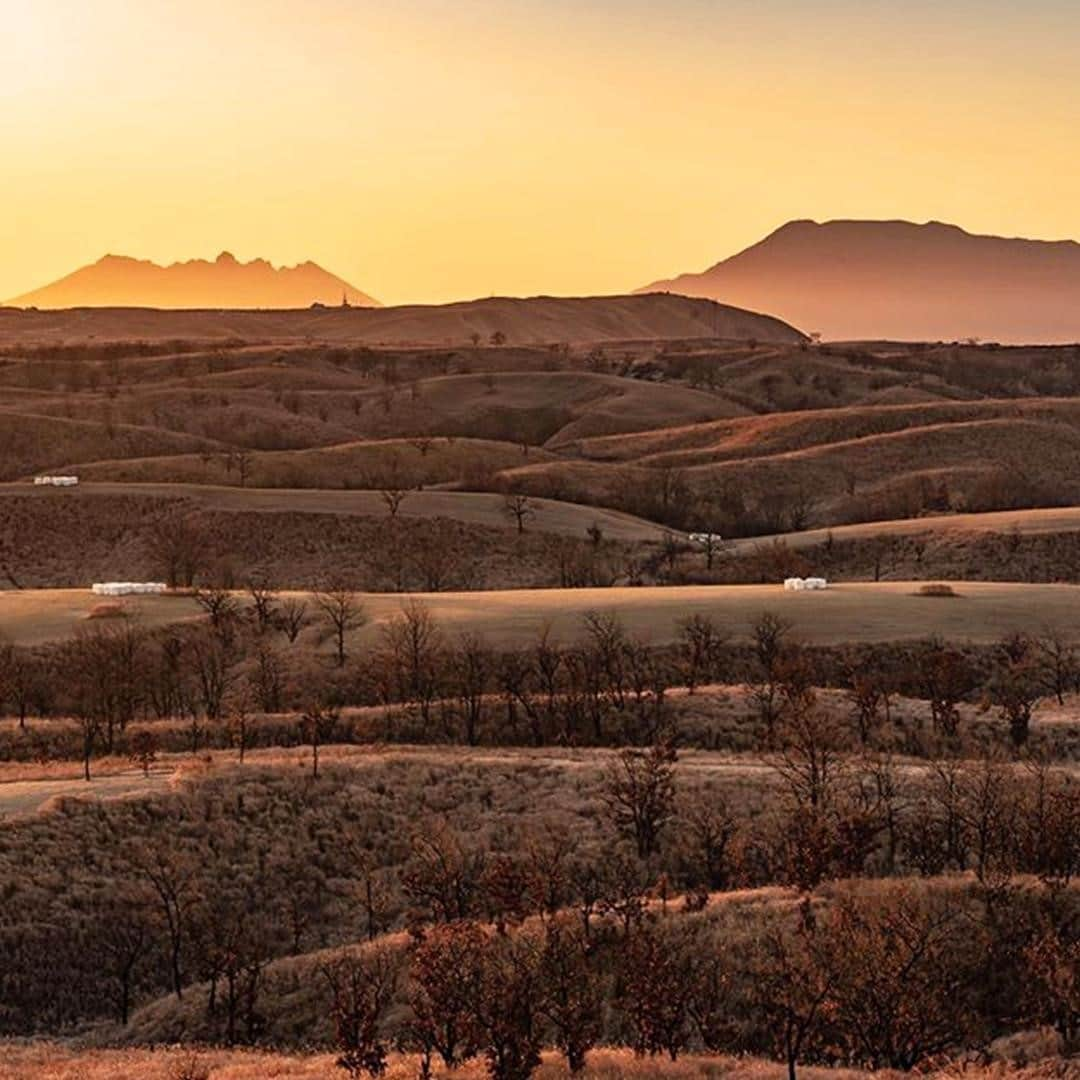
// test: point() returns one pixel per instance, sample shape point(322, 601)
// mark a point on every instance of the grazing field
point(980, 612)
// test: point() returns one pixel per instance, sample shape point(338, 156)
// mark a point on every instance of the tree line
point(245, 658)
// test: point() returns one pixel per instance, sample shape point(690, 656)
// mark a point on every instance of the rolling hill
point(119, 281)
point(537, 319)
point(859, 280)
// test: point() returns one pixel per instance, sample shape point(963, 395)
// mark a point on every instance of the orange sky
point(429, 150)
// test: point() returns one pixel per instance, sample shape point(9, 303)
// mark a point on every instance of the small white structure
point(128, 588)
point(56, 481)
point(798, 584)
point(705, 539)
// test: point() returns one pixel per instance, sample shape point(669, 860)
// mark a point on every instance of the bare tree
point(214, 662)
point(413, 649)
point(263, 600)
point(1061, 672)
point(144, 746)
point(640, 794)
point(393, 498)
point(899, 977)
point(519, 508)
point(792, 984)
point(473, 667)
point(220, 604)
point(177, 549)
point(445, 981)
point(363, 987)
point(292, 617)
point(772, 646)
point(571, 999)
point(316, 725)
point(700, 644)
point(20, 680)
point(172, 875)
point(945, 678)
point(343, 612)
point(1016, 685)
point(445, 874)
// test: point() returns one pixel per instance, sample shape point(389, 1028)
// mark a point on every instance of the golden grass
point(1058, 519)
point(850, 612)
point(791, 432)
point(52, 1061)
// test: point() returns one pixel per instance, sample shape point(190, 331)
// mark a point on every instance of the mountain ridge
point(858, 279)
point(225, 282)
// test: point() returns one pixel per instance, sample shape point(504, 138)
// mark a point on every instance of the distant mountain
point(117, 281)
point(541, 319)
point(898, 280)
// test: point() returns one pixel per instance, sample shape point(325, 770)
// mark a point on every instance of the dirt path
point(20, 797)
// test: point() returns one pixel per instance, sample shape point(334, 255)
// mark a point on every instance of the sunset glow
point(429, 151)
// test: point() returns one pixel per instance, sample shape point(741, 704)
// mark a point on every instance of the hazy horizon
point(549, 149)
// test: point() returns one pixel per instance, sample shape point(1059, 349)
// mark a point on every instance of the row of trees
point(887, 979)
point(608, 687)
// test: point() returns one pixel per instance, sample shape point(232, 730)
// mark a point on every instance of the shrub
point(937, 589)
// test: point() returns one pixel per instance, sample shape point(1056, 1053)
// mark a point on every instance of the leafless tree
point(317, 724)
point(263, 600)
point(700, 643)
point(640, 794)
point(1061, 671)
point(393, 498)
point(177, 549)
point(413, 649)
point(792, 985)
point(363, 988)
point(519, 508)
point(472, 664)
point(220, 604)
point(292, 617)
point(343, 612)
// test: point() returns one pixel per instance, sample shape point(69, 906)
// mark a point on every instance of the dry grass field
point(44, 1061)
point(478, 508)
point(1056, 520)
point(980, 612)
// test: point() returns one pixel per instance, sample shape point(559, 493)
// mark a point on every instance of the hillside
point(894, 279)
point(119, 281)
point(539, 319)
point(882, 612)
point(282, 453)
